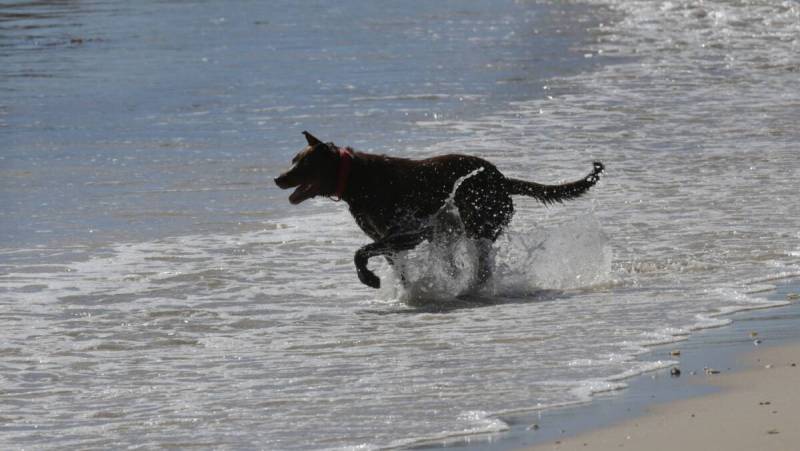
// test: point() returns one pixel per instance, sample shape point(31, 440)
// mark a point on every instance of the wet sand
point(757, 408)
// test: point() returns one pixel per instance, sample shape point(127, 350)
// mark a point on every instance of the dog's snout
point(281, 181)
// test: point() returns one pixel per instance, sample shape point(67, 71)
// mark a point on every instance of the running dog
point(395, 200)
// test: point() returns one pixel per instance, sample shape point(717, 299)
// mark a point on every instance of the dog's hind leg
point(389, 245)
point(485, 263)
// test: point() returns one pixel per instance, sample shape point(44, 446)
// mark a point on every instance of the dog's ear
point(312, 140)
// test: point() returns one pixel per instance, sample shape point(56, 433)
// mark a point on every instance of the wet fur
point(393, 200)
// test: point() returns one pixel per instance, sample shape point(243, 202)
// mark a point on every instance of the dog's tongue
point(302, 193)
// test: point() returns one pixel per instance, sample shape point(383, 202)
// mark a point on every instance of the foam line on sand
point(756, 408)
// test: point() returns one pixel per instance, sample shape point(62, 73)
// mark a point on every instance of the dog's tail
point(549, 194)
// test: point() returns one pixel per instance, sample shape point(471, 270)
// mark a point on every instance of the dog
point(395, 201)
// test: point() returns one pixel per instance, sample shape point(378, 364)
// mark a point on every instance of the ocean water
point(157, 290)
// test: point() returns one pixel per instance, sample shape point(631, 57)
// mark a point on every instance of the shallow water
point(157, 290)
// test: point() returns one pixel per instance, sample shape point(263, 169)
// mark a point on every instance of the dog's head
point(313, 171)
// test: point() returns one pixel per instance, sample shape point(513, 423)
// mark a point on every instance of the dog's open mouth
point(303, 192)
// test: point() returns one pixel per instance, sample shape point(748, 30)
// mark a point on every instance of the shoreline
point(728, 349)
point(756, 408)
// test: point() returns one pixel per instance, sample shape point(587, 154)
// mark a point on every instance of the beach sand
point(756, 409)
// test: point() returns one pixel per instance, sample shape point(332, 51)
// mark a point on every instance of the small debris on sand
point(709, 371)
point(675, 352)
point(753, 334)
point(773, 432)
point(764, 403)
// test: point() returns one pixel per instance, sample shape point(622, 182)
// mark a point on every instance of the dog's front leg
point(395, 243)
point(366, 276)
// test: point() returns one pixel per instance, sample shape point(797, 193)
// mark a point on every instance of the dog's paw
point(369, 278)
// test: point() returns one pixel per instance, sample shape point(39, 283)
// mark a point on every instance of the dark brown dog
point(396, 201)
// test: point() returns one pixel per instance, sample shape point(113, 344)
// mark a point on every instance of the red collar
point(343, 173)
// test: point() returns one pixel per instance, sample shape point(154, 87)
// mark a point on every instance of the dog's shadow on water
point(469, 301)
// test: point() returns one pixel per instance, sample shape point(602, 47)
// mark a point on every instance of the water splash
point(444, 267)
point(450, 202)
point(576, 254)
